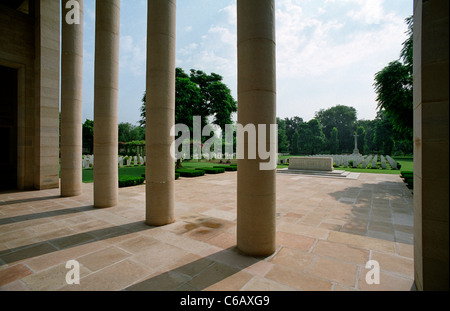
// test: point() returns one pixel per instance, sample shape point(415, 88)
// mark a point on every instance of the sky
point(328, 51)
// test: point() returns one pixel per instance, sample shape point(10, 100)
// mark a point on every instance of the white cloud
point(329, 51)
point(215, 49)
point(133, 55)
point(370, 11)
point(308, 45)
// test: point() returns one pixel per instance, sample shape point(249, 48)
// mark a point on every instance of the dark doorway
point(8, 128)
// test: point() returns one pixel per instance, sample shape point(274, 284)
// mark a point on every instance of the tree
point(188, 101)
point(311, 138)
point(343, 118)
point(296, 143)
point(188, 104)
point(143, 111)
point(216, 97)
point(369, 127)
point(303, 143)
point(333, 142)
point(88, 136)
point(129, 132)
point(283, 145)
point(384, 130)
point(317, 139)
point(199, 94)
point(394, 88)
point(292, 126)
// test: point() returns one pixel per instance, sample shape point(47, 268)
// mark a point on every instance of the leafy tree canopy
point(343, 118)
point(200, 94)
point(394, 88)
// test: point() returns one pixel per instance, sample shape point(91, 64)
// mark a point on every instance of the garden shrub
point(130, 181)
point(410, 183)
point(406, 174)
point(212, 170)
point(190, 173)
point(408, 177)
point(177, 175)
point(229, 168)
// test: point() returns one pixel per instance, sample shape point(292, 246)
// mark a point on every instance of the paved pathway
point(327, 230)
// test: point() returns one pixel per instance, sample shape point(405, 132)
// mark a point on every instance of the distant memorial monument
point(356, 150)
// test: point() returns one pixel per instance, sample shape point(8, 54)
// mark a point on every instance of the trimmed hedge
point(211, 170)
point(176, 176)
point(190, 173)
point(408, 177)
point(130, 181)
point(228, 168)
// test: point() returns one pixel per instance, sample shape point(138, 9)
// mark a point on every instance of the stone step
point(335, 173)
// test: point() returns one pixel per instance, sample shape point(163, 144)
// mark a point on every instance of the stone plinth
point(314, 164)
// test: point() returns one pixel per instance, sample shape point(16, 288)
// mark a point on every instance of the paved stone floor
point(327, 230)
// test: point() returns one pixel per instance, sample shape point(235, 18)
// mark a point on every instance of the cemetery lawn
point(137, 171)
point(406, 162)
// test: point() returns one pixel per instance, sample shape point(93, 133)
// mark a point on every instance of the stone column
point(45, 142)
point(356, 150)
point(160, 167)
point(106, 89)
point(431, 149)
point(71, 103)
point(256, 192)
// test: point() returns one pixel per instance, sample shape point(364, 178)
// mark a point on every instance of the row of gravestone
point(367, 161)
point(88, 161)
point(208, 156)
point(283, 161)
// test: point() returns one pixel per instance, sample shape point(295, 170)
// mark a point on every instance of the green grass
point(407, 163)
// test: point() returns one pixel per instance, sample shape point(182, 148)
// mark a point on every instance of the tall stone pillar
point(160, 165)
point(256, 192)
point(45, 142)
point(71, 101)
point(431, 149)
point(106, 89)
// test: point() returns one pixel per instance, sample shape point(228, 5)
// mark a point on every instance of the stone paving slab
point(327, 230)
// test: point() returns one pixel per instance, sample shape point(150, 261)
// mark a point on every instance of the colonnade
point(257, 105)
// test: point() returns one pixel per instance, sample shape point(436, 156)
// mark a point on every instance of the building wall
point(431, 150)
point(17, 51)
point(30, 44)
